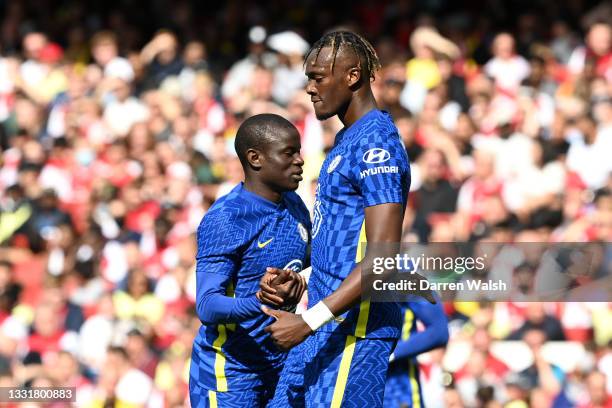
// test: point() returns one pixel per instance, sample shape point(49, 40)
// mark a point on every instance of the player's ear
point(254, 158)
point(354, 76)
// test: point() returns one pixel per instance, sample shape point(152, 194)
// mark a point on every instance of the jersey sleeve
point(380, 170)
point(220, 243)
point(214, 307)
point(435, 334)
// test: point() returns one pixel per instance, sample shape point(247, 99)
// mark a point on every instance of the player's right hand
point(288, 331)
point(279, 287)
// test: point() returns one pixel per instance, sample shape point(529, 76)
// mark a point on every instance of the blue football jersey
point(239, 237)
point(403, 385)
point(367, 166)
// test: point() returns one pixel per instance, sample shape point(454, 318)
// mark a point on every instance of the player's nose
point(298, 160)
point(311, 89)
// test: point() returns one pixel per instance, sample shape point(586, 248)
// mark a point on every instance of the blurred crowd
point(117, 136)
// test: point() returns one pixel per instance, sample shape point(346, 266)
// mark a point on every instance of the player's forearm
point(432, 337)
point(347, 295)
point(214, 307)
point(217, 309)
point(383, 225)
point(350, 292)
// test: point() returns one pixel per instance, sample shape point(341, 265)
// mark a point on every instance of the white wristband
point(317, 316)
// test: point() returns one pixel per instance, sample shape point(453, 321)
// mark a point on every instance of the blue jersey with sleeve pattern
point(403, 386)
point(367, 166)
point(238, 238)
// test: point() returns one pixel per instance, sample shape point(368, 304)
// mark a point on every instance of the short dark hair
point(257, 131)
point(119, 351)
point(361, 47)
point(105, 37)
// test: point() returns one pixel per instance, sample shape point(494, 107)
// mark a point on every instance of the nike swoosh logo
point(263, 244)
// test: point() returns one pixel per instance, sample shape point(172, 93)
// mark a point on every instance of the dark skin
point(276, 167)
point(281, 288)
point(273, 169)
point(346, 92)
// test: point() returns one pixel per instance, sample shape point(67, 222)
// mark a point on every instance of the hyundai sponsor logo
point(376, 155)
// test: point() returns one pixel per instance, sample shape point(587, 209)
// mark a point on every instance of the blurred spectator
point(123, 110)
point(140, 353)
point(48, 332)
point(598, 47)
point(506, 67)
point(541, 374)
point(137, 301)
point(288, 74)
point(434, 378)
point(39, 77)
point(14, 212)
point(97, 334)
point(239, 75)
point(454, 82)
point(47, 220)
point(161, 59)
point(422, 72)
point(64, 371)
point(436, 195)
point(70, 315)
point(452, 398)
point(586, 148)
point(425, 43)
point(66, 103)
point(483, 183)
point(9, 290)
point(121, 383)
point(389, 98)
point(598, 397)
point(481, 343)
point(476, 376)
point(537, 319)
point(105, 52)
point(564, 41)
point(210, 114)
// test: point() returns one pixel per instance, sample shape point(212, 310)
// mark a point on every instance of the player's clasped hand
point(288, 331)
point(280, 287)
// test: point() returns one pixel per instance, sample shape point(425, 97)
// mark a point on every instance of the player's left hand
point(267, 293)
point(281, 287)
point(288, 331)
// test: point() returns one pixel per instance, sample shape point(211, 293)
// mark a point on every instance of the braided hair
point(368, 59)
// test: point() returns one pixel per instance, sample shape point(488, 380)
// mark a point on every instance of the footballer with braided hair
point(360, 46)
point(361, 195)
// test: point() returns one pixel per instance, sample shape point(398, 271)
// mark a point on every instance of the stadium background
point(116, 137)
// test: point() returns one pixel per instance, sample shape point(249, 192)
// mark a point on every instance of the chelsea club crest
point(334, 163)
point(303, 232)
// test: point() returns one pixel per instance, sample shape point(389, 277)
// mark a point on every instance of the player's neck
point(262, 190)
point(362, 102)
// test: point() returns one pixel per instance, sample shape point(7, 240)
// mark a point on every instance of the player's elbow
point(205, 312)
point(204, 317)
point(440, 336)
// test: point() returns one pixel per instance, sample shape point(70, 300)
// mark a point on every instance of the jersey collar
point(252, 197)
point(346, 131)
